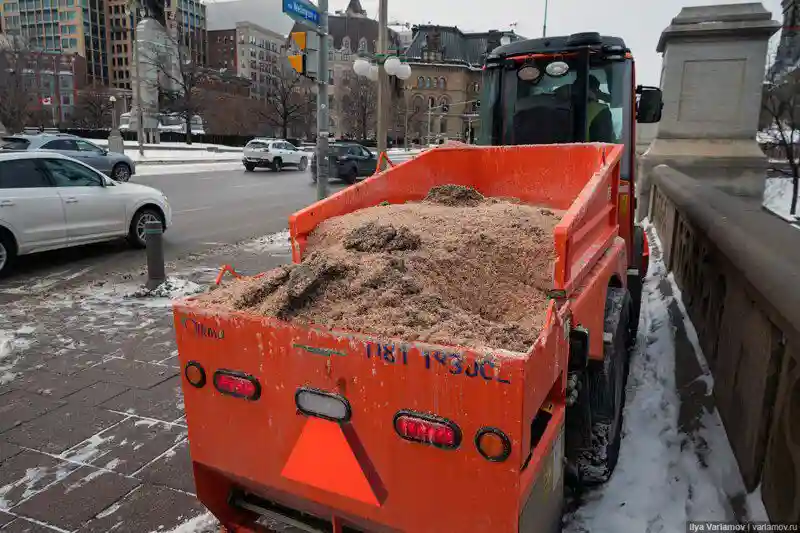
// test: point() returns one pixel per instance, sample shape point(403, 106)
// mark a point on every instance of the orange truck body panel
point(361, 473)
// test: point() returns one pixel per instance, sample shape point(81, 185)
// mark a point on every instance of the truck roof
point(561, 43)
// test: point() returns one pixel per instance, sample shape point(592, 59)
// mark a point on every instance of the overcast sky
point(638, 22)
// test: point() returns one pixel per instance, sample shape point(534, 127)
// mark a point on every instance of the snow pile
point(269, 244)
point(172, 288)
point(664, 477)
point(778, 198)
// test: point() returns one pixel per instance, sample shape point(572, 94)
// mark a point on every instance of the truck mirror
point(649, 105)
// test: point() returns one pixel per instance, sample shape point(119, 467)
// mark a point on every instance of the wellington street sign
point(302, 11)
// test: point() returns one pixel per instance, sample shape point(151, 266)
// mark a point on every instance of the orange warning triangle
point(324, 459)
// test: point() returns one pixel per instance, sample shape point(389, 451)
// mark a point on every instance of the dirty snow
point(204, 523)
point(778, 198)
point(268, 244)
point(660, 482)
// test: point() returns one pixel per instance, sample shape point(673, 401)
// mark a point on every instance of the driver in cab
point(599, 122)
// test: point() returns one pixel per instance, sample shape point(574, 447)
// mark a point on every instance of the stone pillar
point(714, 59)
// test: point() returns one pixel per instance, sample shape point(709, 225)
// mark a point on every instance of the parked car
point(274, 154)
point(50, 201)
point(118, 166)
point(353, 161)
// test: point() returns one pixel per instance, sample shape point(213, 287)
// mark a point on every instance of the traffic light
point(305, 62)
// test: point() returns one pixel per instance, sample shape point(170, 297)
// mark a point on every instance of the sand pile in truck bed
point(456, 268)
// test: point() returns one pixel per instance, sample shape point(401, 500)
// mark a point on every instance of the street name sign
point(302, 11)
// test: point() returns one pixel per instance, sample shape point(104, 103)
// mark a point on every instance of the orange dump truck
point(330, 430)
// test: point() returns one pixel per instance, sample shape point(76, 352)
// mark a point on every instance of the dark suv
point(353, 161)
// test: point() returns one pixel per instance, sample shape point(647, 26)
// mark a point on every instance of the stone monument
point(714, 60)
point(154, 53)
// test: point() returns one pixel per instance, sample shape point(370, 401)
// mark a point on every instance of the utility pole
point(544, 26)
point(383, 76)
point(322, 104)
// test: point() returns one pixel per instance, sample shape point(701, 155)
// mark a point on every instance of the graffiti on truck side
point(200, 329)
point(455, 363)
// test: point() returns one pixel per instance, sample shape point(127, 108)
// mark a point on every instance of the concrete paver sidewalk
point(92, 434)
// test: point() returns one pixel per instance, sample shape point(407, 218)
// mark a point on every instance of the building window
point(428, 83)
point(442, 83)
point(346, 43)
point(362, 45)
point(420, 82)
point(431, 101)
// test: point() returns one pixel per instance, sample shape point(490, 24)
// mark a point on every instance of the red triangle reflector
point(324, 459)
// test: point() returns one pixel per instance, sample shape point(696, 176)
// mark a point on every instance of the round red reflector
point(493, 444)
point(195, 374)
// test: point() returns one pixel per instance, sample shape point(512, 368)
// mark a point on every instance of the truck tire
point(604, 393)
point(635, 282)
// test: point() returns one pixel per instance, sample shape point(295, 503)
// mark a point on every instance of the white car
point(274, 154)
point(50, 201)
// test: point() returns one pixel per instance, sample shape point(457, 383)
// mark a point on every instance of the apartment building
point(250, 51)
point(62, 26)
point(102, 31)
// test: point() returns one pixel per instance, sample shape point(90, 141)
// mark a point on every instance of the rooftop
point(451, 45)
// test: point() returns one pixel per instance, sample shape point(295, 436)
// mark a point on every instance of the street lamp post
point(392, 66)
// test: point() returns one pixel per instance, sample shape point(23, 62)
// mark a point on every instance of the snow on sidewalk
point(660, 483)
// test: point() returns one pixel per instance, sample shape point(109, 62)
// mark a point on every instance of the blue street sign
point(301, 11)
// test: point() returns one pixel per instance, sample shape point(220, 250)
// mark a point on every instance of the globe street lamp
point(393, 66)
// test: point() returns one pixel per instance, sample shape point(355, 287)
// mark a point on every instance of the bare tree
point(179, 79)
point(359, 105)
point(16, 97)
point(782, 105)
point(290, 104)
point(93, 109)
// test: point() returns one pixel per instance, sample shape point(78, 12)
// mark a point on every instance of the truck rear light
point(493, 444)
point(237, 384)
point(313, 402)
point(427, 429)
point(195, 374)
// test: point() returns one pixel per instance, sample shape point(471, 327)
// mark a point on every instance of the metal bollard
point(156, 269)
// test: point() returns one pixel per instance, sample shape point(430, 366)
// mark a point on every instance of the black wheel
point(121, 172)
point(602, 396)
point(8, 252)
point(249, 167)
point(303, 164)
point(351, 176)
point(136, 234)
point(277, 164)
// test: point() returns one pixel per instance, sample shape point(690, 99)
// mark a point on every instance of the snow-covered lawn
point(778, 198)
point(661, 482)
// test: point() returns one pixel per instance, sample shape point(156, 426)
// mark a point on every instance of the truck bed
point(263, 453)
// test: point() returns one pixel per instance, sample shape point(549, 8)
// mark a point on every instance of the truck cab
point(573, 89)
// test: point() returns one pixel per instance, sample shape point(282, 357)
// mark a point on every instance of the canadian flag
point(47, 101)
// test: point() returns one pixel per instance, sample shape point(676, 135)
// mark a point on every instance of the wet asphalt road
point(210, 209)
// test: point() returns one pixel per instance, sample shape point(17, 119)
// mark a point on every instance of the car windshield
point(14, 143)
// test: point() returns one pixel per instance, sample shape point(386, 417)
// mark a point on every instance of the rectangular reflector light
point(427, 429)
point(237, 384)
point(327, 405)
